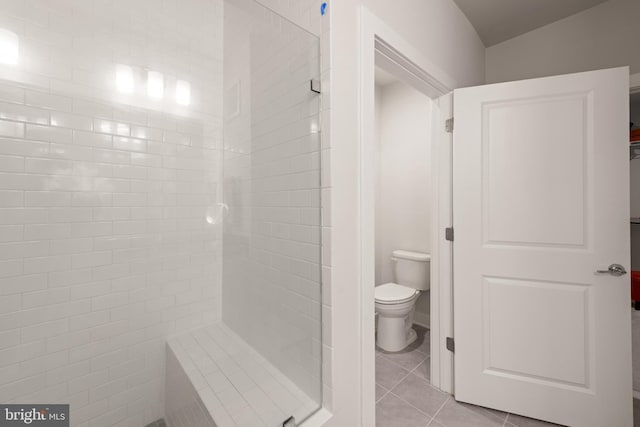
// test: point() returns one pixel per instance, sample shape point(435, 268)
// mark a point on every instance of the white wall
point(604, 36)
point(442, 34)
point(403, 216)
point(440, 31)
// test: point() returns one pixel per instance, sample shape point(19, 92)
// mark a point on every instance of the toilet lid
point(392, 292)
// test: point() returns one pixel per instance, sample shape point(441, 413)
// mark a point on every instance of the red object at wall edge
point(635, 285)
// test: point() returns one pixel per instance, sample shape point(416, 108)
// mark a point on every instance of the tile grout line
point(442, 406)
point(389, 391)
point(413, 370)
point(404, 378)
point(410, 371)
point(508, 423)
point(382, 397)
point(417, 409)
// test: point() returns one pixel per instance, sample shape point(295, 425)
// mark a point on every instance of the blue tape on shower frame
point(323, 8)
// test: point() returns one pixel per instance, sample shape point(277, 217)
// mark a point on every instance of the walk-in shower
point(159, 212)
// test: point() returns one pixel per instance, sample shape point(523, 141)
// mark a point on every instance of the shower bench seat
point(214, 378)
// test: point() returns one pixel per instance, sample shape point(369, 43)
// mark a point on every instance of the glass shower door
point(271, 240)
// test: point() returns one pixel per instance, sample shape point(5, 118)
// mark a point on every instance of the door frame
point(382, 45)
point(634, 83)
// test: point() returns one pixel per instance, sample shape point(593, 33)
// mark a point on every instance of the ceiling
point(499, 20)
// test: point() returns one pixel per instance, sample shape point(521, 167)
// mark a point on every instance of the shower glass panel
point(271, 178)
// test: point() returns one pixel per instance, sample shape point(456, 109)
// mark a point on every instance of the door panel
point(527, 175)
point(541, 201)
point(553, 349)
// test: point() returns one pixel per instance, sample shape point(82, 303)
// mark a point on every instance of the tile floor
point(405, 398)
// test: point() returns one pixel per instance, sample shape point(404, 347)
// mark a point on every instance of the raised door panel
point(537, 331)
point(534, 189)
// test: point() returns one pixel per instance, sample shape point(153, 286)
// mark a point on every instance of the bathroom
point(182, 182)
point(402, 237)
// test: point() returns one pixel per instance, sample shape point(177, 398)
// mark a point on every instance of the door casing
point(382, 45)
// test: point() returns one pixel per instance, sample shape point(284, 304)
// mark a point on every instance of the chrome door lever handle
point(614, 270)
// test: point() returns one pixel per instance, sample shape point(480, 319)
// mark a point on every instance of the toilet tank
point(412, 269)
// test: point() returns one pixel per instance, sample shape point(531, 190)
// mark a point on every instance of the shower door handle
point(614, 270)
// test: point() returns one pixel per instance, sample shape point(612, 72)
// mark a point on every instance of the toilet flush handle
point(394, 259)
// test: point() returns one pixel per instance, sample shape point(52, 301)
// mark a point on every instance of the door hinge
point(451, 345)
point(448, 125)
point(448, 234)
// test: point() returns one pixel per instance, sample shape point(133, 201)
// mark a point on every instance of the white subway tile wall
point(272, 234)
point(106, 249)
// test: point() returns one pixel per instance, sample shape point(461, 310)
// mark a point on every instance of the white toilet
point(395, 302)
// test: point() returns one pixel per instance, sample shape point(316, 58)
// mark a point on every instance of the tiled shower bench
point(214, 378)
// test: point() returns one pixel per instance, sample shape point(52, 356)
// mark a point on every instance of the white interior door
point(541, 202)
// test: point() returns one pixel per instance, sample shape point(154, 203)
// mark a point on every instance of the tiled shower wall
point(109, 222)
point(272, 146)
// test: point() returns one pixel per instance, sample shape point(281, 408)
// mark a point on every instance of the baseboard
point(422, 319)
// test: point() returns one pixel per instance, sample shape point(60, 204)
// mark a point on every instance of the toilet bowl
point(395, 305)
point(395, 302)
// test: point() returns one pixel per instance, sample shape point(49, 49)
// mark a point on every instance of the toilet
point(395, 302)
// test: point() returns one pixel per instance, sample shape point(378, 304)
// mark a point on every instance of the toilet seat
point(392, 293)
